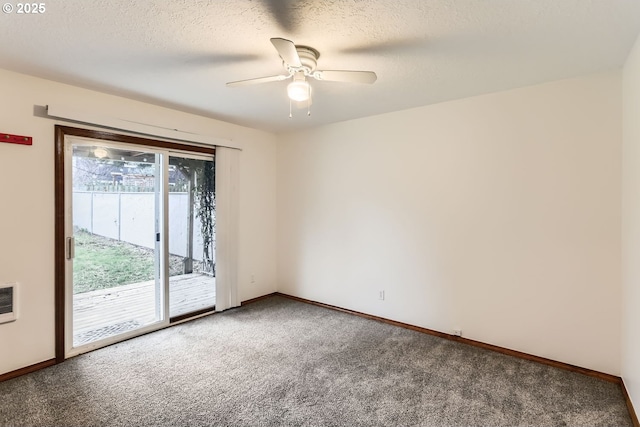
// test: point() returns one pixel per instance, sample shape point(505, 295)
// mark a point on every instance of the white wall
point(27, 203)
point(498, 214)
point(631, 226)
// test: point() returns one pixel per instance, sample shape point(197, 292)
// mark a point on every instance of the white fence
point(130, 217)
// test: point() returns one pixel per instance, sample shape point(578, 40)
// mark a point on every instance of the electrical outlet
point(253, 278)
point(457, 332)
point(381, 295)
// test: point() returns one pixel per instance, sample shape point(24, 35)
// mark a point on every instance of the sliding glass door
point(192, 234)
point(115, 249)
point(139, 245)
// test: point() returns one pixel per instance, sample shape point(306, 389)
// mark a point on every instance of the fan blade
point(287, 51)
point(256, 81)
point(346, 76)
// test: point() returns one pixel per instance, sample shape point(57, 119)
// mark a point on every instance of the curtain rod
point(67, 114)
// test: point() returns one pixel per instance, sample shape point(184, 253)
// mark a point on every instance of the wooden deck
point(107, 312)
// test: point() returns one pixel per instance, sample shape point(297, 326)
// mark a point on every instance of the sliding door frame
point(60, 193)
point(161, 247)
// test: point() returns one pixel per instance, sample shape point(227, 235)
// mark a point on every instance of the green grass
point(102, 263)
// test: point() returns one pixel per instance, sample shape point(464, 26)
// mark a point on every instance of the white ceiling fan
point(300, 63)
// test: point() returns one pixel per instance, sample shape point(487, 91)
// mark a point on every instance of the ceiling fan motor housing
point(308, 58)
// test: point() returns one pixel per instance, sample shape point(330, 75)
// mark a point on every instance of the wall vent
point(8, 303)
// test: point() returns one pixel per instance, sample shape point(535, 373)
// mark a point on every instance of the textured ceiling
point(180, 53)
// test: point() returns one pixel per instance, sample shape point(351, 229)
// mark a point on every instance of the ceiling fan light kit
point(300, 62)
point(299, 89)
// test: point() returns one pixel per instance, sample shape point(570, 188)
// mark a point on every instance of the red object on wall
point(16, 139)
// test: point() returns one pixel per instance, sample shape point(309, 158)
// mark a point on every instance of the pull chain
point(290, 115)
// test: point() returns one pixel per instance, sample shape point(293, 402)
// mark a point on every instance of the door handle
point(71, 248)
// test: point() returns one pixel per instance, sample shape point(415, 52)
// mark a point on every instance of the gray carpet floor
point(282, 362)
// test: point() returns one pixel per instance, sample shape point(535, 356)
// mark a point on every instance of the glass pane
point(191, 235)
point(116, 287)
